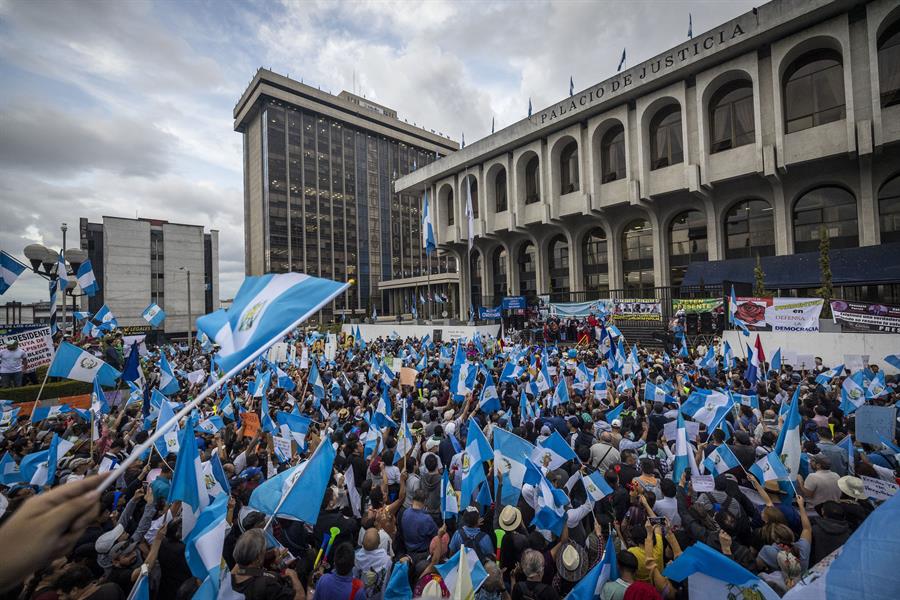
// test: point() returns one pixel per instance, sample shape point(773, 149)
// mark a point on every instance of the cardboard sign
point(875, 422)
point(693, 428)
point(278, 352)
point(251, 423)
point(408, 376)
point(703, 483)
point(879, 488)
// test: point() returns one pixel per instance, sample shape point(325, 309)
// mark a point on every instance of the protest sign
point(251, 423)
point(879, 489)
point(408, 376)
point(636, 309)
point(864, 316)
point(703, 483)
point(874, 423)
point(489, 313)
point(696, 305)
point(282, 445)
point(780, 314)
point(278, 352)
point(35, 341)
point(692, 427)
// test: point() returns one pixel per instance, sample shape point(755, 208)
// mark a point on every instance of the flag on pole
point(462, 585)
point(711, 574)
point(571, 86)
point(449, 501)
point(428, 240)
point(265, 308)
point(553, 452)
point(54, 327)
point(10, 269)
point(769, 468)
point(86, 280)
point(853, 393)
point(62, 276)
point(470, 215)
point(188, 484)
point(621, 61)
point(606, 570)
point(141, 588)
point(168, 384)
point(529, 107)
point(203, 546)
point(154, 315)
point(511, 454)
point(490, 400)
point(690, 27)
point(71, 362)
point(721, 460)
point(475, 454)
point(706, 406)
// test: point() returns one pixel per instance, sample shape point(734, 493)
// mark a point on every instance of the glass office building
point(318, 192)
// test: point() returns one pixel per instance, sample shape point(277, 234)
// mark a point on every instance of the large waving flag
point(560, 394)
point(297, 493)
point(428, 241)
point(154, 314)
point(462, 585)
point(264, 309)
point(728, 355)
point(490, 400)
point(71, 362)
point(550, 515)
point(106, 319)
point(721, 460)
point(314, 381)
point(86, 280)
point(594, 484)
point(63, 280)
point(876, 388)
point(463, 374)
point(707, 406)
point(168, 384)
point(511, 454)
point(655, 393)
point(605, 570)
point(475, 454)
point(9, 470)
point(188, 484)
point(682, 449)
point(853, 393)
point(553, 452)
point(293, 426)
point(769, 468)
point(203, 546)
point(711, 574)
point(788, 446)
point(10, 269)
point(449, 501)
point(825, 377)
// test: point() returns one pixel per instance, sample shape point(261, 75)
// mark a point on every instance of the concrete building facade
point(742, 142)
point(139, 261)
point(318, 198)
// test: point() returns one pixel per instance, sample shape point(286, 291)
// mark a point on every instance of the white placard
point(304, 358)
point(330, 350)
point(703, 483)
point(396, 365)
point(278, 352)
point(879, 488)
point(282, 446)
point(789, 357)
point(805, 362)
point(693, 428)
point(856, 362)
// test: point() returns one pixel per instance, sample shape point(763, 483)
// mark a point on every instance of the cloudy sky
point(124, 108)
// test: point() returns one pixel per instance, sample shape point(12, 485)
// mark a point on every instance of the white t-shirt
point(11, 360)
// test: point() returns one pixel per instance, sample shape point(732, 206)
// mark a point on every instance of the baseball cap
point(616, 423)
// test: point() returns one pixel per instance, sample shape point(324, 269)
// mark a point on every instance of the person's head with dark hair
point(74, 577)
point(327, 497)
point(647, 467)
point(627, 562)
point(637, 533)
point(768, 439)
point(667, 487)
point(344, 558)
point(718, 436)
point(536, 541)
point(412, 465)
point(612, 478)
point(831, 510)
point(470, 517)
point(652, 448)
point(431, 463)
point(825, 433)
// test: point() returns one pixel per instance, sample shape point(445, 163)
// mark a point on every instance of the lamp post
point(64, 228)
point(45, 262)
point(190, 312)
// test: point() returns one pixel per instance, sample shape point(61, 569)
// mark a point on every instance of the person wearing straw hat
point(854, 500)
point(571, 567)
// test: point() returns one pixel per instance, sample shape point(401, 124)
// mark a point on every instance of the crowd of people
point(398, 504)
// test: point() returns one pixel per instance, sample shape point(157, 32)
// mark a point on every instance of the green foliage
point(759, 280)
point(53, 389)
point(826, 292)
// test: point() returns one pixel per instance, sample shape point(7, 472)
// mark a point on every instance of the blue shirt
point(337, 587)
point(418, 530)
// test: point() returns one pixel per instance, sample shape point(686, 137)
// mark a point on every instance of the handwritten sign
point(875, 422)
point(408, 376)
point(251, 424)
point(703, 483)
point(879, 488)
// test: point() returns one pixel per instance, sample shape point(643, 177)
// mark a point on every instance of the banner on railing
point(641, 309)
point(485, 312)
point(696, 305)
point(513, 302)
point(578, 309)
point(865, 316)
point(780, 314)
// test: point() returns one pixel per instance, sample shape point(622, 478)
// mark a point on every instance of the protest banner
point(513, 302)
point(864, 316)
point(485, 312)
point(408, 376)
point(874, 423)
point(628, 309)
point(703, 483)
point(780, 314)
point(251, 423)
point(35, 341)
point(696, 305)
point(693, 428)
point(879, 489)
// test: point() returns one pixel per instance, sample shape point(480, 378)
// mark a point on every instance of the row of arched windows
point(748, 230)
point(812, 92)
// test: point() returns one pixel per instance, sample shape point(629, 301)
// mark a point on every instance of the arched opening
point(889, 65)
point(449, 207)
point(596, 262)
point(813, 87)
point(475, 276)
point(666, 143)
point(637, 259)
point(687, 243)
point(568, 168)
point(500, 266)
point(612, 154)
point(749, 230)
point(829, 206)
point(889, 210)
point(532, 180)
point(559, 266)
point(500, 198)
point(731, 116)
point(527, 260)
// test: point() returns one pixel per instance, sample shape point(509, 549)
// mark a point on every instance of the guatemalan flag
point(550, 515)
point(711, 574)
point(853, 393)
point(294, 427)
point(154, 314)
point(721, 460)
point(476, 453)
point(264, 309)
point(86, 280)
point(471, 578)
point(788, 447)
point(605, 570)
point(511, 454)
point(428, 241)
point(490, 400)
point(168, 384)
point(71, 362)
point(553, 452)
point(203, 547)
point(769, 468)
point(188, 484)
point(10, 269)
point(707, 406)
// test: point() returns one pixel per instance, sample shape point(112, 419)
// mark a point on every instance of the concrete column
point(867, 205)
point(512, 269)
point(660, 252)
point(784, 233)
point(465, 284)
point(542, 276)
point(487, 272)
point(614, 248)
point(576, 263)
point(714, 234)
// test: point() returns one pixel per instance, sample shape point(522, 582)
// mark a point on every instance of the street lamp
point(190, 315)
point(44, 262)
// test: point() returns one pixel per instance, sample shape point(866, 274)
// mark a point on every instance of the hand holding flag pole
point(188, 407)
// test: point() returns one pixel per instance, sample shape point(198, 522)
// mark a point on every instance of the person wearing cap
point(13, 362)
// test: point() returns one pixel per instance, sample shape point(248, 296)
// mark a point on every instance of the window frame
point(657, 160)
point(819, 115)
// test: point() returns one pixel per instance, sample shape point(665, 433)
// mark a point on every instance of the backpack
point(474, 543)
point(531, 590)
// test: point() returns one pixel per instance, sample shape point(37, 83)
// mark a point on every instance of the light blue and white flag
point(550, 514)
point(168, 384)
point(449, 571)
point(775, 364)
point(682, 449)
point(846, 444)
point(188, 484)
point(297, 493)
point(707, 406)
point(788, 447)
point(449, 501)
point(141, 588)
point(9, 470)
point(721, 460)
point(63, 277)
point(728, 355)
point(876, 388)
point(893, 360)
point(751, 400)
point(825, 377)
point(314, 381)
point(711, 574)
point(40, 413)
point(99, 405)
point(155, 315)
point(560, 394)
point(657, 393)
point(203, 546)
point(264, 309)
point(106, 319)
point(594, 485)
point(553, 452)
point(211, 424)
point(490, 400)
point(428, 241)
point(86, 280)
point(511, 454)
point(293, 426)
point(853, 393)
point(583, 378)
point(71, 362)
point(10, 269)
point(404, 437)
point(475, 454)
point(769, 468)
point(462, 379)
point(606, 570)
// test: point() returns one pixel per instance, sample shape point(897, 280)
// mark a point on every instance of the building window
point(749, 230)
point(889, 210)
point(532, 181)
point(813, 90)
point(450, 208)
point(731, 116)
point(527, 269)
point(596, 262)
point(500, 267)
point(666, 147)
point(889, 65)
point(637, 259)
point(612, 154)
point(830, 207)
point(559, 267)
point(687, 236)
point(568, 168)
point(500, 190)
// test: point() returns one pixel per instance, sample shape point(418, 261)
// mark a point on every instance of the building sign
point(513, 302)
point(863, 316)
point(636, 75)
point(780, 314)
point(35, 340)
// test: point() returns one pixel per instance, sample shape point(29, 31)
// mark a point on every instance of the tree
point(759, 277)
point(826, 292)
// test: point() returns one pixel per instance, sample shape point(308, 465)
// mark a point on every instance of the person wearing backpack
point(471, 536)
point(340, 584)
point(531, 568)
